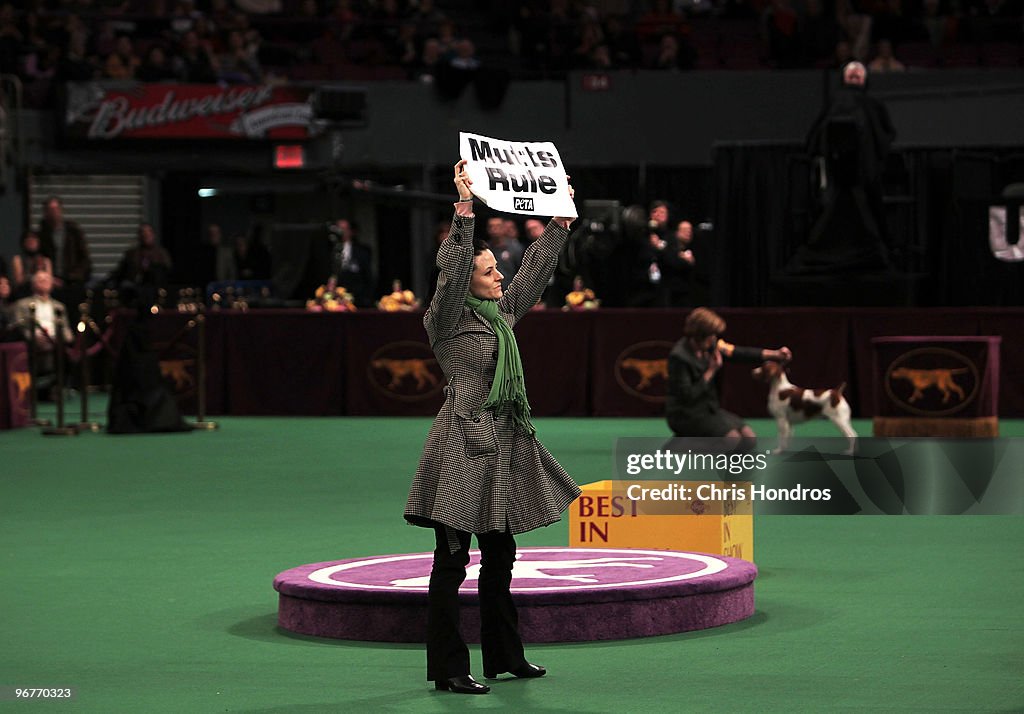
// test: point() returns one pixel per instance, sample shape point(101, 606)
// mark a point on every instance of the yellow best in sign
point(703, 516)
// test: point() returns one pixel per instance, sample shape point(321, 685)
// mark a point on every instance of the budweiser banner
point(105, 111)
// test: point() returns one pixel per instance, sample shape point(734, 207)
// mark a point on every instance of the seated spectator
point(884, 60)
point(39, 65)
point(76, 65)
point(75, 28)
point(404, 49)
point(124, 49)
point(856, 29)
point(995, 21)
point(115, 68)
point(385, 22)
point(103, 40)
point(659, 21)
point(221, 15)
point(842, 54)
point(426, 17)
point(239, 63)
point(429, 61)
point(40, 61)
point(600, 59)
point(194, 61)
point(936, 23)
point(27, 263)
point(183, 18)
point(112, 7)
point(343, 20)
point(447, 37)
point(48, 314)
point(156, 67)
point(465, 56)
point(675, 53)
point(623, 48)
point(259, 7)
point(591, 37)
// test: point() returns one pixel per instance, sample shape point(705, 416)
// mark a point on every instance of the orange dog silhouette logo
point(176, 370)
point(642, 370)
point(400, 369)
point(932, 381)
point(406, 371)
point(647, 369)
point(922, 379)
point(22, 382)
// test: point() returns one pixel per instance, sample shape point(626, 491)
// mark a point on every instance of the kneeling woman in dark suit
point(482, 470)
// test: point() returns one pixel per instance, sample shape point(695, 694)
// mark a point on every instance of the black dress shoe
point(462, 685)
point(525, 671)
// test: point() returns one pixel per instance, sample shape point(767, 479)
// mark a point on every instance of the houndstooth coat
point(477, 472)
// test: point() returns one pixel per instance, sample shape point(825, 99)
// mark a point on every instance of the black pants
point(447, 654)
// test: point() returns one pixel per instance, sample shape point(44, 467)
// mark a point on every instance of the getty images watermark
point(665, 461)
point(816, 477)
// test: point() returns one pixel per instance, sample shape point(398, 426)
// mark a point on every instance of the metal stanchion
point(85, 424)
point(58, 352)
point(200, 422)
point(33, 403)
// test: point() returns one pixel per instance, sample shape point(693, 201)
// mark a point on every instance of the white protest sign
point(517, 176)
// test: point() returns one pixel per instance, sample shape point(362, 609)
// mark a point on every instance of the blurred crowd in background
point(48, 42)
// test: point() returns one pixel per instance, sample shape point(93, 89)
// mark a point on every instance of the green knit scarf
point(508, 386)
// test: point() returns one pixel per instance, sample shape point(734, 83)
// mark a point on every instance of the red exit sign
point(597, 82)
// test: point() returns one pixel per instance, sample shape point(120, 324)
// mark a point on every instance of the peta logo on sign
point(517, 176)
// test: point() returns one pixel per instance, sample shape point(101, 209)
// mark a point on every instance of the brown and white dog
point(790, 405)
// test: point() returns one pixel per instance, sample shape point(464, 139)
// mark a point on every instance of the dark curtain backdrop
point(938, 221)
point(967, 183)
point(753, 223)
point(181, 232)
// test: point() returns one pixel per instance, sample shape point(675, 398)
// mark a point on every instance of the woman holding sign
point(482, 471)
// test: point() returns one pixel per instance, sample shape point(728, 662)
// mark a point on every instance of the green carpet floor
point(138, 570)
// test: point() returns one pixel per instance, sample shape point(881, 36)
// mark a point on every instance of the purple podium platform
point(563, 595)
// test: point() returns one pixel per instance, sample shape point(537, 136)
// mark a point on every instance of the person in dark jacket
point(691, 405)
point(850, 140)
point(63, 242)
point(144, 268)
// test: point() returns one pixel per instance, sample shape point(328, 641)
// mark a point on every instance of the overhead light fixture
point(207, 192)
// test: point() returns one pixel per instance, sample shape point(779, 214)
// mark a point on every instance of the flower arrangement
point(581, 297)
point(331, 298)
point(398, 299)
